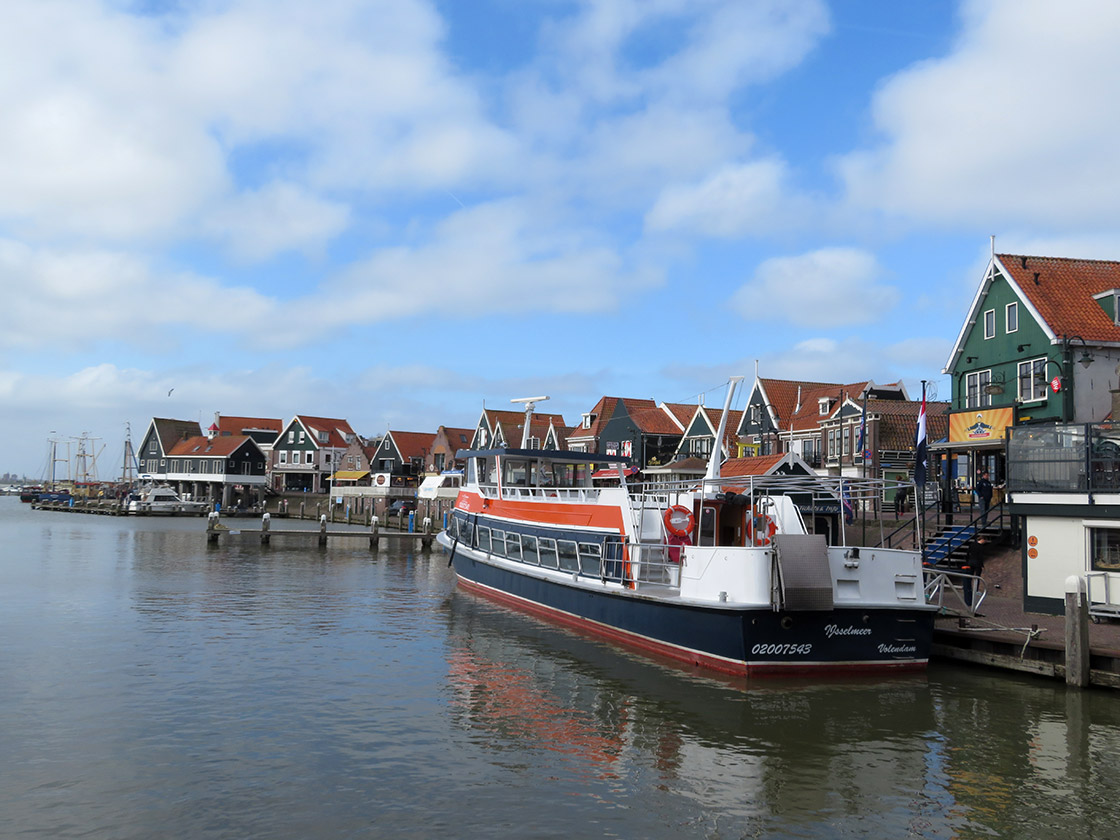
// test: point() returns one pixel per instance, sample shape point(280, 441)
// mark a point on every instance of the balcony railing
point(1064, 458)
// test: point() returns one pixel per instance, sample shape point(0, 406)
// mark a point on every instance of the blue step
point(945, 543)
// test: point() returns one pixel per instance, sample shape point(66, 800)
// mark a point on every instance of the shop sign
point(980, 425)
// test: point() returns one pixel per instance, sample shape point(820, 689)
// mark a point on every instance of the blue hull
point(733, 640)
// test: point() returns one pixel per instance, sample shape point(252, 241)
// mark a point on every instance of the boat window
point(707, 526)
point(513, 546)
point(515, 473)
point(529, 549)
point(472, 471)
point(498, 543)
point(569, 555)
point(562, 474)
point(589, 556)
point(484, 539)
point(465, 530)
point(548, 552)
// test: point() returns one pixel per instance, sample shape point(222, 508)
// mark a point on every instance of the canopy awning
point(350, 475)
point(613, 473)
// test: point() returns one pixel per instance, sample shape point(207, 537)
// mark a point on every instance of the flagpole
point(920, 459)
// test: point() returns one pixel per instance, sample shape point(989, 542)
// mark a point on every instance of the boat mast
point(530, 404)
point(129, 467)
point(716, 458)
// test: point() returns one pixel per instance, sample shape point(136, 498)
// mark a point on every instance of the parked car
point(401, 507)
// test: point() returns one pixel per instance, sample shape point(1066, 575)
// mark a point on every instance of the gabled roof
point(1063, 293)
point(680, 413)
point(238, 425)
point(200, 446)
point(758, 465)
point(171, 431)
point(1058, 293)
point(336, 430)
point(795, 405)
point(412, 444)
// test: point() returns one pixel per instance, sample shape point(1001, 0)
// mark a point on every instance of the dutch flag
point(921, 457)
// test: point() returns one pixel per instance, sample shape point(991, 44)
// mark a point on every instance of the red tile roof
point(413, 444)
point(200, 446)
point(1063, 295)
point(236, 425)
point(336, 429)
point(760, 465)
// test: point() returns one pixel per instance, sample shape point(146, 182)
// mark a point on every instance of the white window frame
point(283, 457)
point(982, 378)
point(1039, 390)
point(295, 456)
point(989, 321)
point(1011, 313)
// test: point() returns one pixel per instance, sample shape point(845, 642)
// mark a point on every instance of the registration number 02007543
point(782, 650)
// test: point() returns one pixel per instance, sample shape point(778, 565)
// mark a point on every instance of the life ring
point(679, 521)
point(761, 528)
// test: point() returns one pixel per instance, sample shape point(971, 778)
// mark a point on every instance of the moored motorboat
point(722, 572)
point(162, 500)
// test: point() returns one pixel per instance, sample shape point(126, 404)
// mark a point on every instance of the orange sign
point(980, 424)
point(1032, 540)
point(1032, 553)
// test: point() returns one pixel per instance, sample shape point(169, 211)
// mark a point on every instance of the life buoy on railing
point(679, 521)
point(760, 527)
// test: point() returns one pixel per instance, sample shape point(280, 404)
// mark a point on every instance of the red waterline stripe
point(688, 656)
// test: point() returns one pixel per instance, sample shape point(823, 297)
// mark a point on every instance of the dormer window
point(586, 424)
point(323, 436)
point(823, 404)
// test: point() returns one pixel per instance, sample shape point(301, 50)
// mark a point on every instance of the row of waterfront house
point(1034, 378)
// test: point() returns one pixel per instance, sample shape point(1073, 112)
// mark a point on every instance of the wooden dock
point(216, 531)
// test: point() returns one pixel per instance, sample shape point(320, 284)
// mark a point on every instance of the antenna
point(530, 404)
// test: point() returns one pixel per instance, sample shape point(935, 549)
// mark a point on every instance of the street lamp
point(1067, 355)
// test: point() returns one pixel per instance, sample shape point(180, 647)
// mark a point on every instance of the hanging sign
point(1056, 384)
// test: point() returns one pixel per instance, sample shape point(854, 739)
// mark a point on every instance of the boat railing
point(543, 494)
point(955, 593)
point(654, 565)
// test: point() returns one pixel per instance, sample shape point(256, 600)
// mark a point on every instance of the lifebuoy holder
point(761, 527)
point(679, 521)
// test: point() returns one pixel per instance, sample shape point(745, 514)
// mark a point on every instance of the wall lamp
point(1086, 357)
point(1023, 347)
point(969, 359)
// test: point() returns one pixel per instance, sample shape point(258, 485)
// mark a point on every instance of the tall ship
point(720, 572)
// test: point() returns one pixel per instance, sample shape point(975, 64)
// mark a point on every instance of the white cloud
point(65, 299)
point(1014, 125)
point(738, 200)
point(499, 257)
point(831, 287)
point(279, 217)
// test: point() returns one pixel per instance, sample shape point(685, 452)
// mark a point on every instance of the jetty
point(1077, 647)
point(217, 531)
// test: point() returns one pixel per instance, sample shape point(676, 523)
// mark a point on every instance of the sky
point(398, 212)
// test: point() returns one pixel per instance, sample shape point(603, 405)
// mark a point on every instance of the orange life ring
point(761, 527)
point(679, 521)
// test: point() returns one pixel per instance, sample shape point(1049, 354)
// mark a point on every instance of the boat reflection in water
point(752, 750)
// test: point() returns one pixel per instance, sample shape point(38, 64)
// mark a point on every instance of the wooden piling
point(212, 527)
point(322, 529)
point(265, 525)
point(1077, 632)
point(374, 537)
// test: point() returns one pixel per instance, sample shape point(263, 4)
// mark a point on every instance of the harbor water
point(154, 685)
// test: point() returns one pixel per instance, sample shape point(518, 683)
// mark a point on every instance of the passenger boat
point(162, 500)
point(721, 572)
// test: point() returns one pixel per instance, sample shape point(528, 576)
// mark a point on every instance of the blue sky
point(394, 211)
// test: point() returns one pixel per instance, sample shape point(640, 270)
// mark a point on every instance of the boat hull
point(728, 638)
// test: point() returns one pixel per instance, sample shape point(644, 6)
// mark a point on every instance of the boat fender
point(760, 527)
point(679, 521)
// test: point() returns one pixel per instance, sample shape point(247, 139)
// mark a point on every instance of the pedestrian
point(983, 491)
